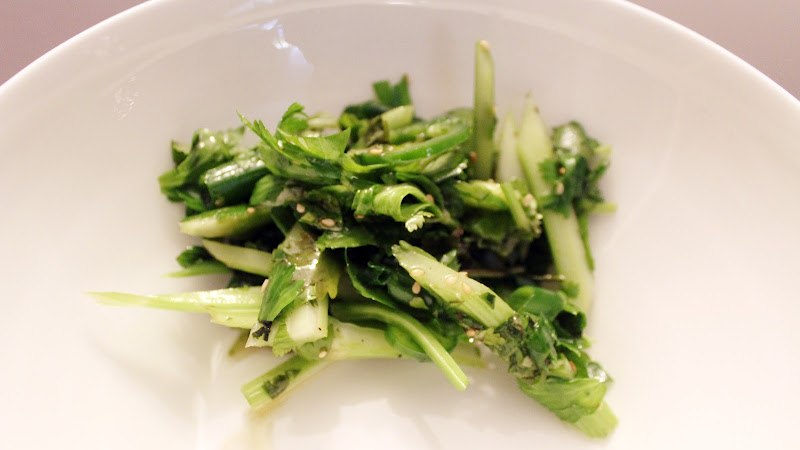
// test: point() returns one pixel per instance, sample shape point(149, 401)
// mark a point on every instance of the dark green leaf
point(281, 292)
point(536, 300)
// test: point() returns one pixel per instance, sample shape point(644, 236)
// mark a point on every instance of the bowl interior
point(702, 170)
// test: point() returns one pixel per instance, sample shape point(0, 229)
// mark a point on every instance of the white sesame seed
point(430, 198)
point(560, 188)
point(300, 208)
point(359, 216)
point(473, 156)
point(327, 222)
point(322, 353)
point(251, 210)
point(219, 202)
point(375, 151)
point(264, 285)
point(484, 44)
point(417, 272)
point(280, 144)
point(527, 199)
point(471, 332)
point(466, 288)
point(450, 280)
point(416, 288)
point(562, 170)
point(463, 274)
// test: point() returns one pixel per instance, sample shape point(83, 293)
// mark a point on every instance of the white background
point(763, 33)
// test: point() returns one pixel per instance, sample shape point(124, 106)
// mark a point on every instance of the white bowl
point(696, 311)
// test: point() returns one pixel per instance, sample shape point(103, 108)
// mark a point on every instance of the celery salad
point(381, 234)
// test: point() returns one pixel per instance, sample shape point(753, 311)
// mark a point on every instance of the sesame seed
point(464, 274)
point(473, 156)
point(359, 216)
point(572, 366)
point(300, 208)
point(417, 272)
point(562, 170)
point(450, 280)
point(219, 202)
point(471, 332)
point(471, 340)
point(375, 151)
point(466, 288)
point(327, 222)
point(484, 44)
point(416, 288)
point(251, 210)
point(560, 188)
point(527, 199)
point(430, 198)
point(264, 285)
point(280, 144)
point(322, 353)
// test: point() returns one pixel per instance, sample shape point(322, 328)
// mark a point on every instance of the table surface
point(763, 33)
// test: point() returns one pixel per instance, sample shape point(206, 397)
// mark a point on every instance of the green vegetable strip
point(185, 301)
point(515, 206)
point(226, 221)
point(397, 117)
point(245, 259)
point(457, 133)
point(201, 268)
point(534, 147)
point(508, 168)
point(485, 120)
point(426, 340)
point(598, 424)
point(348, 342)
point(233, 307)
point(456, 289)
point(233, 181)
point(351, 341)
point(281, 380)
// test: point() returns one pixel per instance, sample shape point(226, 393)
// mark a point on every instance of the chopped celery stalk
point(563, 232)
point(309, 321)
point(424, 337)
point(233, 307)
point(485, 120)
point(201, 268)
point(351, 341)
point(454, 288)
point(227, 221)
point(397, 117)
point(515, 207)
point(281, 380)
point(598, 424)
point(508, 168)
point(240, 258)
point(186, 301)
point(233, 181)
point(347, 342)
